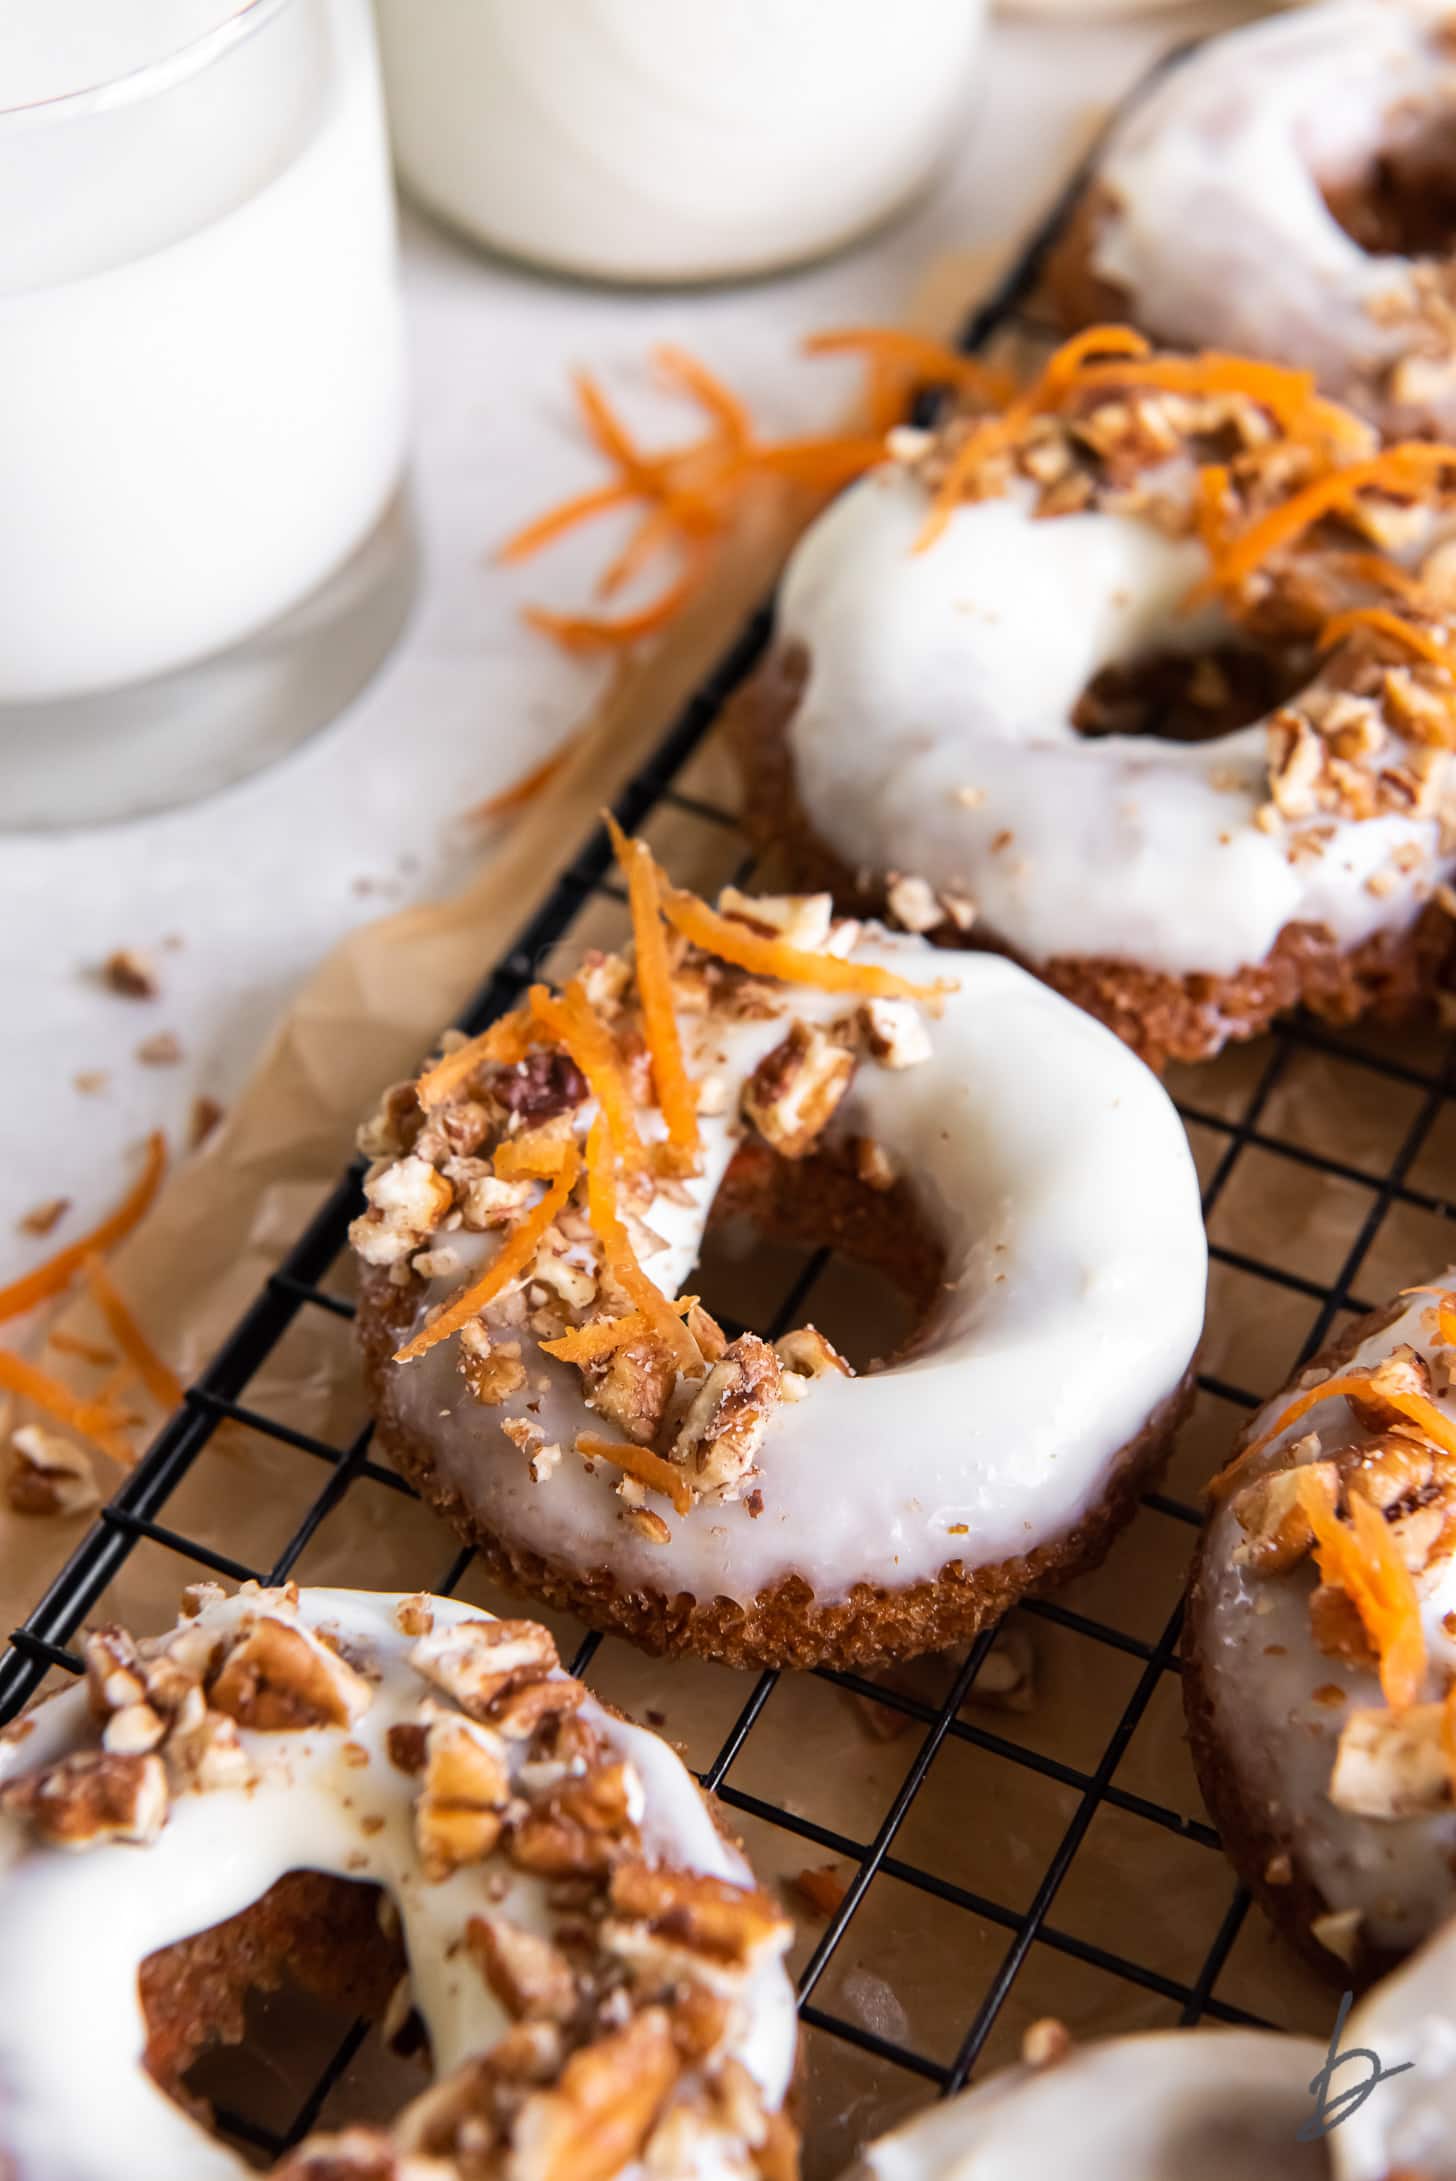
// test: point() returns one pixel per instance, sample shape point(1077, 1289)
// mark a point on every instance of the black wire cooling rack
point(1231, 1131)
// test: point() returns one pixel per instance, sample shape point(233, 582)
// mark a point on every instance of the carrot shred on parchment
point(49, 1279)
point(1365, 1561)
point(100, 1423)
point(160, 1380)
point(511, 1261)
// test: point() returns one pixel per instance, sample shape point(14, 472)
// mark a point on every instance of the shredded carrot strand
point(1353, 1386)
point(621, 1258)
point(160, 1380)
point(508, 1040)
point(721, 403)
point(526, 789)
point(99, 1422)
point(1387, 574)
point(734, 942)
point(676, 1095)
point(602, 632)
point(916, 359)
point(48, 1279)
point(1398, 469)
point(535, 1157)
point(1394, 625)
point(545, 529)
point(589, 1343)
point(1365, 1562)
point(574, 1023)
point(649, 1469)
point(1290, 396)
point(1445, 1309)
point(511, 1261)
point(89, 1351)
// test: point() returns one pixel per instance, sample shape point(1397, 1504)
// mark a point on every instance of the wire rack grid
point(1231, 1128)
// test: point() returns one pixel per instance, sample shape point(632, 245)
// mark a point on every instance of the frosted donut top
point(442, 1755)
point(1328, 1580)
point(1183, 2105)
point(1216, 227)
point(953, 607)
point(591, 1413)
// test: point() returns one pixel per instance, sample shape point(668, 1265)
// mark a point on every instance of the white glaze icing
point(75, 2101)
point(1220, 236)
point(1408, 2123)
point(1052, 1168)
point(1261, 1667)
point(957, 668)
point(1180, 2105)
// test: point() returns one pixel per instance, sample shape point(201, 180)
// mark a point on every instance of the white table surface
point(252, 887)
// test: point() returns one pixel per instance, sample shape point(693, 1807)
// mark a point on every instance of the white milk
point(672, 140)
point(201, 398)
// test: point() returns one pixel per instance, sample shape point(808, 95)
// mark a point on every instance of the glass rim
point(152, 77)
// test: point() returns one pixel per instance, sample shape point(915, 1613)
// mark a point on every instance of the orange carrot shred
point(602, 632)
point(535, 1157)
point(525, 789)
point(918, 360)
point(721, 403)
point(589, 1343)
point(99, 1422)
point(507, 1040)
point(575, 1024)
point(1445, 1309)
point(734, 942)
point(160, 1380)
point(48, 1279)
point(601, 1210)
point(1417, 1410)
point(545, 529)
point(1394, 625)
point(1365, 1562)
point(638, 1461)
point(89, 1351)
point(1398, 469)
point(510, 1262)
point(676, 1096)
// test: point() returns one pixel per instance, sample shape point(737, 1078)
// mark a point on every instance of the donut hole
point(1188, 695)
point(1403, 202)
point(771, 1216)
point(246, 2017)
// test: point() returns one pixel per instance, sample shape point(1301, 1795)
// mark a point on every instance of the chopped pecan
point(601, 2112)
point(735, 1925)
point(277, 1679)
point(407, 1200)
point(632, 1387)
point(481, 1197)
point(530, 1977)
point(580, 1827)
point(392, 1129)
point(912, 903)
point(115, 1676)
point(1270, 1512)
point(415, 1615)
point(729, 1413)
point(546, 1082)
point(493, 1370)
point(203, 1751)
point(50, 1476)
point(799, 920)
point(91, 1797)
point(807, 1354)
point(895, 1032)
point(130, 973)
point(795, 1090)
point(1391, 1764)
point(464, 1791)
point(476, 1661)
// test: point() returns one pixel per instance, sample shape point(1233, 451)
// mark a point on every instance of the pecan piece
point(793, 1093)
point(729, 1413)
point(476, 1661)
point(601, 2112)
point(530, 1977)
point(277, 1680)
point(465, 1789)
point(1391, 1764)
point(1270, 1512)
point(91, 1797)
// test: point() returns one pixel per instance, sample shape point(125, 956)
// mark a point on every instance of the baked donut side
point(1171, 2105)
point(992, 1150)
point(1316, 1654)
point(597, 1978)
point(935, 728)
point(1255, 199)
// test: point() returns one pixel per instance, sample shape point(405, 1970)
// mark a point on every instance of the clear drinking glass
point(205, 548)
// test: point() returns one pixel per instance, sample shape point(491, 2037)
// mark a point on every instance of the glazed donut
point(1261, 197)
point(607, 1447)
point(1174, 2105)
point(920, 734)
point(1407, 2128)
point(1318, 1649)
point(597, 1976)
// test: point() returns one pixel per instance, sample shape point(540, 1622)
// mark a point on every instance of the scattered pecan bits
point(510, 1263)
point(1274, 1517)
point(1365, 1562)
point(530, 1976)
point(822, 1888)
point(476, 1662)
point(99, 1422)
point(581, 1827)
point(130, 975)
point(725, 1424)
point(894, 1033)
point(728, 1925)
point(90, 1798)
point(795, 1090)
point(277, 1679)
point(50, 1279)
point(464, 1791)
point(1392, 1764)
point(600, 2114)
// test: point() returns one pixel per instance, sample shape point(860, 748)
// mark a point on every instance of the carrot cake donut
point(1173, 2105)
point(1405, 2131)
point(539, 1201)
point(1319, 1657)
point(599, 1981)
point(965, 638)
point(1290, 190)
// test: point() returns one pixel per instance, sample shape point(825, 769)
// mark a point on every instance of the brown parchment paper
point(912, 1966)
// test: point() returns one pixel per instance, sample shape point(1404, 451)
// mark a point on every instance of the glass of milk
point(673, 140)
point(203, 546)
